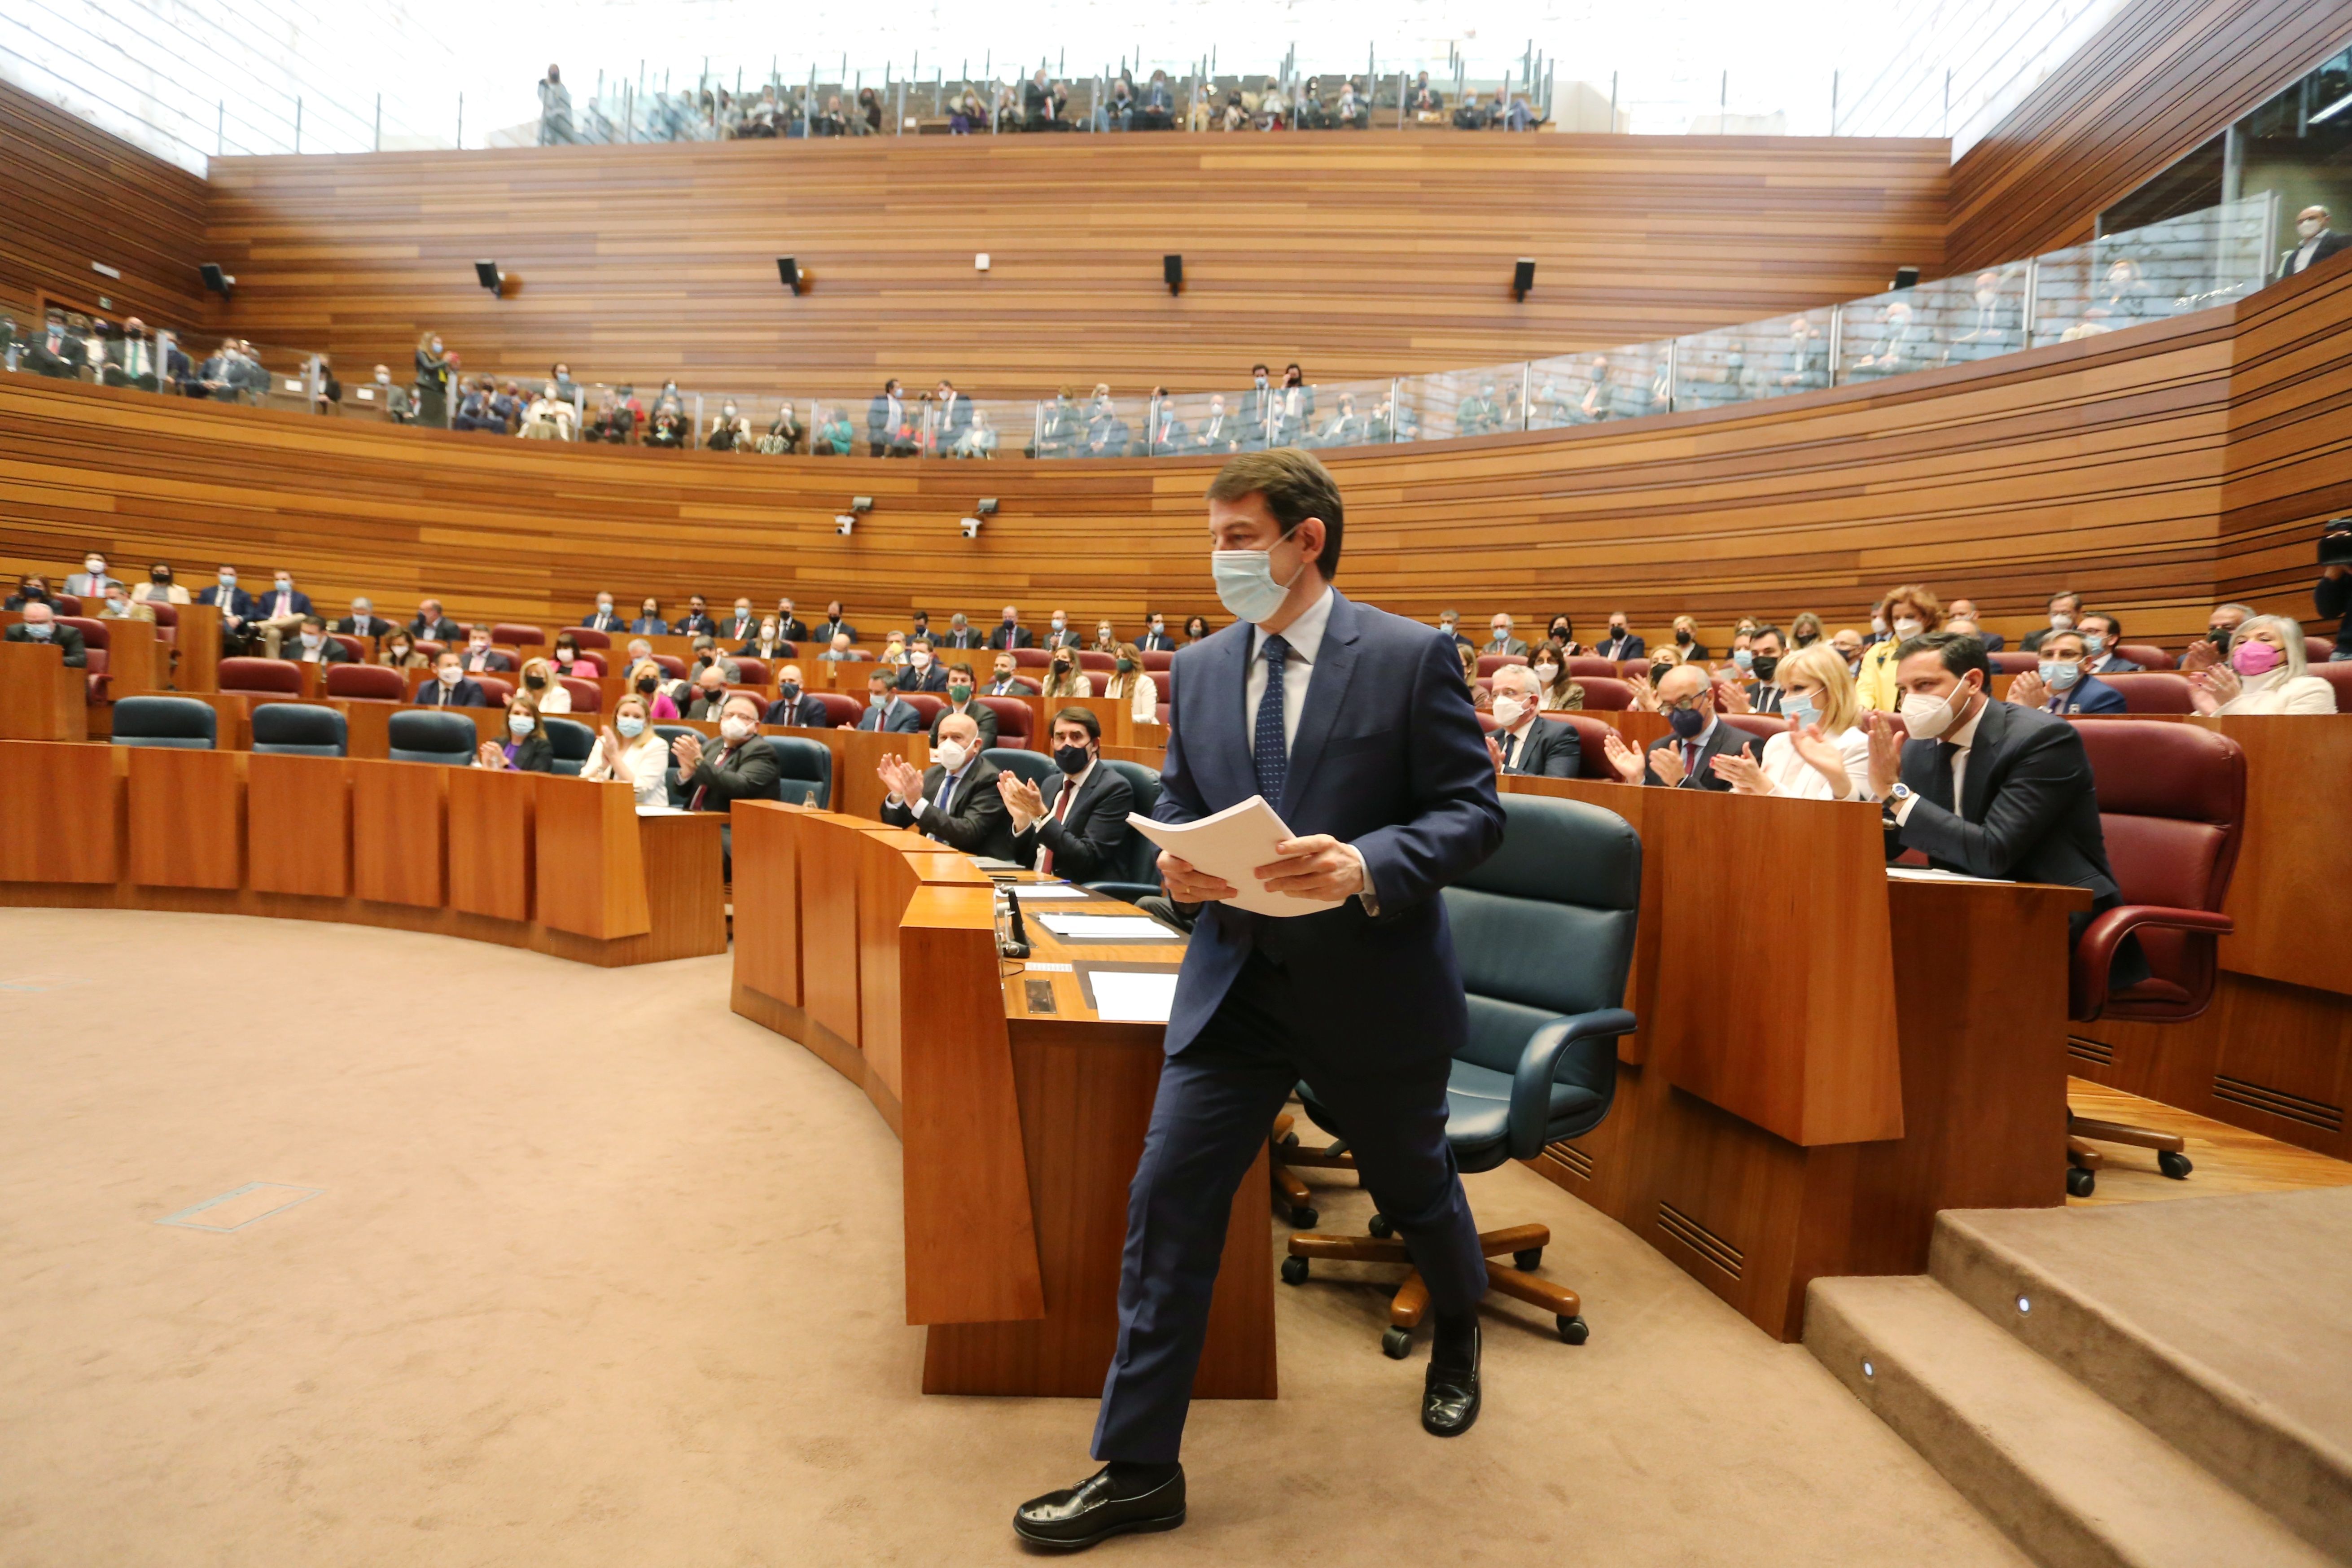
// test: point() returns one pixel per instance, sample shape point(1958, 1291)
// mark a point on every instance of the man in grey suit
point(1503, 641)
point(1524, 742)
point(41, 625)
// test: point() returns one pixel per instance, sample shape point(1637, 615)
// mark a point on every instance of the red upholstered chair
point(926, 703)
point(1592, 740)
point(277, 677)
point(366, 682)
point(2014, 661)
point(1031, 658)
point(2318, 650)
point(514, 635)
point(496, 688)
point(1165, 680)
point(429, 649)
point(1629, 667)
point(1155, 659)
point(2172, 807)
point(1605, 695)
point(1488, 663)
point(2146, 655)
point(94, 642)
point(1160, 712)
point(1763, 726)
point(2153, 691)
point(71, 605)
point(754, 671)
point(671, 665)
point(1580, 664)
point(356, 647)
point(2339, 676)
point(583, 637)
point(1488, 722)
point(587, 697)
point(1013, 718)
point(841, 709)
point(1103, 663)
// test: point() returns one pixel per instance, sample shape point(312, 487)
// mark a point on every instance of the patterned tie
point(1272, 753)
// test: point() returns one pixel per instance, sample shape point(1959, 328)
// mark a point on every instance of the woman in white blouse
point(635, 756)
point(1824, 755)
point(1132, 684)
point(538, 679)
point(2266, 673)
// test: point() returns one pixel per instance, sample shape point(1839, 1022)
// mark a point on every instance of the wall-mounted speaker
point(788, 270)
point(216, 280)
point(1906, 277)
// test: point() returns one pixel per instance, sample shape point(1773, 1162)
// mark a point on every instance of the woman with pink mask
point(2264, 674)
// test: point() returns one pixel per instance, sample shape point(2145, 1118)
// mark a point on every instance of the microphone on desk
point(1012, 940)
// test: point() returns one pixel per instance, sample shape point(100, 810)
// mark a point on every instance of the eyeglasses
point(1682, 705)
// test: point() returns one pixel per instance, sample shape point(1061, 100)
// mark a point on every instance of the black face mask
point(159, 577)
point(1616, 631)
point(1765, 665)
point(534, 681)
point(647, 683)
point(1807, 639)
point(2219, 636)
point(790, 690)
point(1071, 760)
point(1682, 637)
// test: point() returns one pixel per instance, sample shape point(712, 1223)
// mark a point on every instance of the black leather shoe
point(1075, 1519)
point(1449, 1397)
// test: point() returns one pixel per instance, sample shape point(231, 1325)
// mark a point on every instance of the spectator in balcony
point(1991, 324)
point(2265, 673)
point(1901, 345)
point(1427, 102)
point(1909, 611)
point(1307, 110)
point(729, 431)
point(55, 353)
point(2315, 241)
point(834, 436)
point(554, 110)
point(1157, 110)
point(649, 621)
point(1217, 431)
point(869, 113)
point(1476, 414)
point(433, 374)
point(784, 434)
point(398, 406)
point(1008, 110)
point(613, 422)
point(218, 377)
point(1118, 109)
point(1599, 401)
point(1521, 115)
point(1351, 112)
point(953, 410)
point(474, 409)
point(1472, 115)
point(1106, 433)
point(979, 438)
point(886, 417)
point(668, 427)
point(1808, 357)
point(1037, 102)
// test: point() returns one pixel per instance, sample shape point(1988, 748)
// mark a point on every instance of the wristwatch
point(1895, 799)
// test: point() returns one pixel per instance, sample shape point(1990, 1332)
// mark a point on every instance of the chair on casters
point(2172, 808)
point(1544, 933)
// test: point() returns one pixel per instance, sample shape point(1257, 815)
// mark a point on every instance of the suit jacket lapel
point(1326, 689)
point(1990, 731)
point(1222, 755)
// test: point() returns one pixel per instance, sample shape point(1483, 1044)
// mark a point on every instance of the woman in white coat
point(1824, 755)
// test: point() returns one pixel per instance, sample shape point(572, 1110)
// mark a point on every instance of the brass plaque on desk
point(1039, 993)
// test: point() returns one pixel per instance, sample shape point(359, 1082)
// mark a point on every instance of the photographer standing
point(2332, 595)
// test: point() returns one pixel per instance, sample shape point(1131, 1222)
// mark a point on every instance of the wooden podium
point(40, 698)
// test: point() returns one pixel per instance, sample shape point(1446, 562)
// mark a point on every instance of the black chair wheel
point(1528, 1261)
point(2080, 1183)
point(1381, 1227)
point(1574, 1331)
point(2177, 1166)
point(1396, 1343)
point(1294, 1271)
point(1304, 1218)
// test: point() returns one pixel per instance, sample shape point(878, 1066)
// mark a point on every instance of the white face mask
point(2060, 621)
point(311, 639)
point(950, 755)
point(919, 660)
point(1509, 711)
point(2308, 226)
point(1878, 624)
point(450, 676)
point(1907, 626)
point(1929, 717)
point(1546, 673)
point(735, 728)
point(520, 725)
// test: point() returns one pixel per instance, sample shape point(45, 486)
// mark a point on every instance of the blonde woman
point(635, 756)
point(1133, 684)
point(538, 679)
point(1645, 686)
point(1065, 679)
point(1907, 611)
point(645, 678)
point(1686, 639)
point(1562, 693)
point(2266, 673)
point(1481, 698)
point(1824, 755)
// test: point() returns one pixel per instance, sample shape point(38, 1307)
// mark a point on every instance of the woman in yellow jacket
point(1907, 611)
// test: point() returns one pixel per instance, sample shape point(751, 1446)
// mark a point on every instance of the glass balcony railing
point(2184, 264)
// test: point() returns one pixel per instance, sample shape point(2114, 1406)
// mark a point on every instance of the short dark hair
point(2062, 593)
point(318, 621)
point(1959, 652)
point(1768, 632)
point(959, 668)
point(2114, 626)
point(1296, 485)
point(1082, 717)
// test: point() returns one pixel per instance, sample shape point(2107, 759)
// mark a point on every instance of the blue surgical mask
point(2058, 674)
point(521, 724)
point(1686, 722)
point(1798, 709)
point(2095, 643)
point(1245, 583)
point(1743, 659)
point(632, 728)
point(39, 632)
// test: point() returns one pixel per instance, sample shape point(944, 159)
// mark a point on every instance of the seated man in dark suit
point(962, 700)
point(885, 709)
point(431, 625)
point(449, 688)
point(922, 672)
point(1010, 633)
point(1683, 759)
point(2101, 633)
point(955, 799)
point(961, 633)
point(739, 766)
point(364, 621)
point(1524, 742)
point(709, 694)
point(696, 621)
point(1073, 830)
point(235, 604)
point(794, 707)
point(481, 658)
point(41, 625)
point(1966, 610)
point(601, 618)
point(1155, 637)
point(2063, 684)
point(1988, 788)
point(1005, 679)
point(1619, 644)
point(790, 626)
point(313, 646)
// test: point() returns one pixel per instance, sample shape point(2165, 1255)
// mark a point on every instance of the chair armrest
point(2096, 953)
point(1540, 1059)
point(1126, 891)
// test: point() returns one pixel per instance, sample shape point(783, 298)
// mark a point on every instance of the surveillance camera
point(971, 527)
point(845, 524)
point(987, 507)
point(861, 503)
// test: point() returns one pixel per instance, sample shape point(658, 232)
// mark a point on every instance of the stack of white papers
point(1230, 845)
point(1133, 995)
point(1933, 874)
point(1026, 892)
point(1106, 928)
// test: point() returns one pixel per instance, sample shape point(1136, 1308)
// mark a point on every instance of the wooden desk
point(1798, 1107)
point(40, 698)
point(562, 866)
point(1021, 1127)
point(200, 648)
point(856, 788)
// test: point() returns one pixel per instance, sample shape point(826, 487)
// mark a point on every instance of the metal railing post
point(1837, 333)
point(2032, 299)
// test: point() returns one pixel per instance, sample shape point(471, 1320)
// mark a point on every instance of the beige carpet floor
point(597, 1273)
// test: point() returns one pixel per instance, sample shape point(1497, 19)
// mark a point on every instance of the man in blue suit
point(235, 604)
point(885, 709)
point(1355, 725)
point(449, 688)
point(2062, 685)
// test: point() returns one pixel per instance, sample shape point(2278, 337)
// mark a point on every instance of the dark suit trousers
point(1217, 1101)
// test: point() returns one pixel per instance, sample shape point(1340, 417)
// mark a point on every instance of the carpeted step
point(2071, 1479)
point(2217, 1323)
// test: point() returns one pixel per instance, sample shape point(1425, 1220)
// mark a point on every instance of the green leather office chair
point(1134, 870)
point(1544, 933)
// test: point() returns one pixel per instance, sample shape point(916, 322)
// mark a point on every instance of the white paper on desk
point(1029, 892)
point(1230, 845)
point(1932, 874)
point(1133, 995)
point(1105, 928)
point(662, 811)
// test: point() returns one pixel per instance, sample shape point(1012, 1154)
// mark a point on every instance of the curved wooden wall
point(2144, 468)
point(1370, 254)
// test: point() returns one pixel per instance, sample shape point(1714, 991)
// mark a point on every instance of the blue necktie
point(1272, 753)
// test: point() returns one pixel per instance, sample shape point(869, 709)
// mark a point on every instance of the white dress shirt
point(646, 760)
point(1304, 637)
point(1792, 776)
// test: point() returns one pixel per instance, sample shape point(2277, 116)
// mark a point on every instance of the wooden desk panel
point(60, 812)
point(767, 898)
point(591, 873)
point(489, 829)
point(856, 788)
point(829, 933)
point(298, 826)
point(135, 661)
point(398, 839)
point(40, 698)
point(686, 886)
point(187, 819)
point(2298, 775)
point(892, 864)
point(199, 641)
